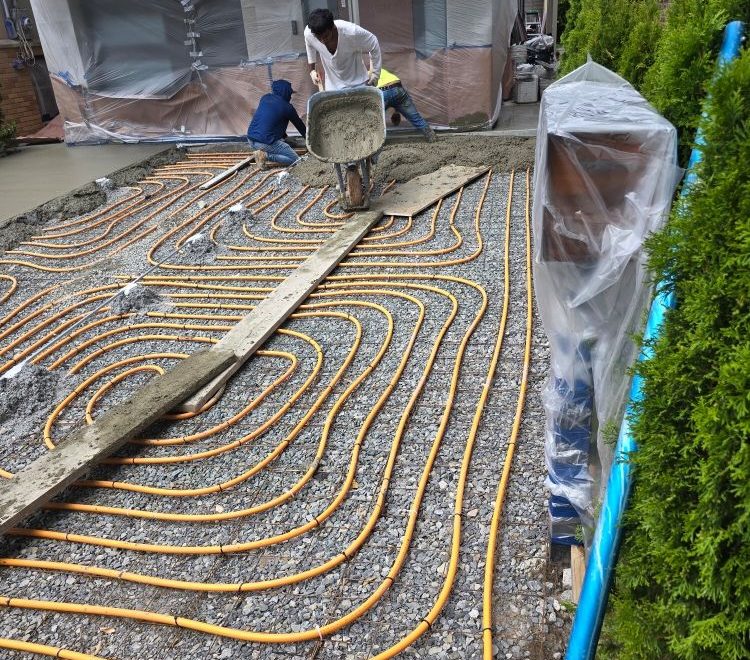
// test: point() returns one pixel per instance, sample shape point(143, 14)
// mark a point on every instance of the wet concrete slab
point(38, 173)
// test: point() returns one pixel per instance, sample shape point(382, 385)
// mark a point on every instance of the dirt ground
point(404, 160)
point(399, 160)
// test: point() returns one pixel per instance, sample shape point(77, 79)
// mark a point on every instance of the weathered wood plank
point(417, 194)
point(227, 172)
point(252, 331)
point(38, 483)
point(578, 569)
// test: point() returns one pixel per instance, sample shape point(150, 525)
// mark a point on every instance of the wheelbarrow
point(347, 128)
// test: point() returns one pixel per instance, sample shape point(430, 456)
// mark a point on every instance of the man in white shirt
point(341, 47)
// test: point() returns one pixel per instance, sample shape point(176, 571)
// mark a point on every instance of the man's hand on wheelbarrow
point(316, 79)
point(372, 80)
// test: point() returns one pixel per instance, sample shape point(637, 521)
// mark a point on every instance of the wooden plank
point(417, 194)
point(578, 569)
point(186, 387)
point(228, 172)
point(252, 331)
point(38, 483)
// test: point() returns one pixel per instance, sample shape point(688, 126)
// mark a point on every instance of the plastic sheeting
point(606, 171)
point(176, 70)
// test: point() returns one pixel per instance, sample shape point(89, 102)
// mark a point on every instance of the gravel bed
point(528, 619)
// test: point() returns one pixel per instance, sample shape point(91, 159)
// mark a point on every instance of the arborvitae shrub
point(668, 56)
point(685, 58)
point(683, 579)
point(618, 34)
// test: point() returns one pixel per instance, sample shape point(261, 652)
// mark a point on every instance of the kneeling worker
point(268, 126)
point(395, 96)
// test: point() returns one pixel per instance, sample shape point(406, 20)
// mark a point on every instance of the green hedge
point(668, 57)
point(682, 586)
point(683, 579)
point(685, 58)
point(618, 34)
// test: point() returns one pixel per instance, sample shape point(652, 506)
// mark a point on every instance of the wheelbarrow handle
point(321, 87)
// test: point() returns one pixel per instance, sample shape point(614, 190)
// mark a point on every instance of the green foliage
point(7, 132)
point(610, 432)
point(619, 34)
point(682, 588)
point(685, 60)
point(683, 580)
point(670, 60)
point(563, 7)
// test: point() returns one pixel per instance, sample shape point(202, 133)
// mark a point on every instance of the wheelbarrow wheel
point(354, 191)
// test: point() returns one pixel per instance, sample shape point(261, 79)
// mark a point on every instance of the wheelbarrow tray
point(346, 125)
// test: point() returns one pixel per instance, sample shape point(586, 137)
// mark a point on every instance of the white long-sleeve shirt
point(345, 68)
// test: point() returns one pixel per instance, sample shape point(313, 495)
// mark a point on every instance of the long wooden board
point(578, 570)
point(252, 331)
point(32, 487)
point(186, 387)
point(196, 379)
point(416, 195)
point(228, 172)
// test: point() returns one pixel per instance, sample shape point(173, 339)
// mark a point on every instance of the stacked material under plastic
point(605, 177)
point(178, 70)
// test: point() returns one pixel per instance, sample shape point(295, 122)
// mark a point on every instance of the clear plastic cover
point(606, 171)
point(175, 70)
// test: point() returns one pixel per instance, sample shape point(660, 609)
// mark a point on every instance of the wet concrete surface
point(35, 174)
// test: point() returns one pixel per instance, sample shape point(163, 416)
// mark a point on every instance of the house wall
point(18, 102)
point(454, 86)
point(59, 40)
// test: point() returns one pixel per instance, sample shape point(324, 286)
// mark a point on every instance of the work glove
point(315, 77)
point(372, 80)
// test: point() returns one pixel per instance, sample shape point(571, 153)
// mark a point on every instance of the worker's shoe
point(395, 119)
point(429, 134)
point(260, 159)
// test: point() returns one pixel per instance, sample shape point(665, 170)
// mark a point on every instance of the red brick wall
point(18, 102)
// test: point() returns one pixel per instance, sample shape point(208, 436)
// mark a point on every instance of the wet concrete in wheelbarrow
point(353, 129)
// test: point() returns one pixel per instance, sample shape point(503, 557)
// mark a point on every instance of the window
point(309, 5)
point(430, 26)
point(137, 49)
point(134, 49)
point(222, 39)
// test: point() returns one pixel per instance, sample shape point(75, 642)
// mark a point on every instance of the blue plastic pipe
point(603, 554)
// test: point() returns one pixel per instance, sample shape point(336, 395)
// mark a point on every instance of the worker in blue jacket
point(268, 126)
